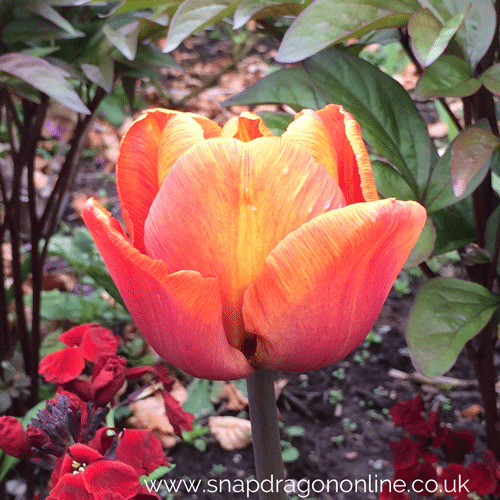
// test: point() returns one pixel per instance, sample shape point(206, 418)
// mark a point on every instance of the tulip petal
point(334, 139)
point(323, 286)
point(226, 204)
point(245, 127)
point(178, 314)
point(137, 170)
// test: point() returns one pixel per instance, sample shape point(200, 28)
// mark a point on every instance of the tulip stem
point(265, 436)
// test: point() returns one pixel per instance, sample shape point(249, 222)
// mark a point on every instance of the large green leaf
point(471, 150)
point(196, 14)
point(478, 30)
point(423, 247)
point(491, 79)
point(276, 122)
point(440, 192)
point(267, 8)
point(388, 117)
point(390, 183)
point(80, 251)
point(43, 76)
point(447, 313)
point(447, 76)
point(429, 36)
point(288, 86)
point(325, 22)
point(125, 38)
point(44, 9)
point(454, 227)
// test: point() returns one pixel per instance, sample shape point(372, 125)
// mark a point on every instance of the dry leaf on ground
point(232, 433)
point(236, 400)
point(149, 413)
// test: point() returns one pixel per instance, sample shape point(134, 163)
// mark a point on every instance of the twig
point(437, 381)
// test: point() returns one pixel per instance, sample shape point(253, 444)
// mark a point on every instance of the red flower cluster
point(414, 460)
point(93, 344)
point(88, 461)
point(108, 467)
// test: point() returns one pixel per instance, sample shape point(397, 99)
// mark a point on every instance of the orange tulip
point(248, 250)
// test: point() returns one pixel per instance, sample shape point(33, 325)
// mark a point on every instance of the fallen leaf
point(236, 400)
point(472, 412)
point(149, 413)
point(279, 385)
point(232, 433)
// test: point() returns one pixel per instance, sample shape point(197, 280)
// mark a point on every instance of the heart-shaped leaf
point(491, 79)
point(447, 313)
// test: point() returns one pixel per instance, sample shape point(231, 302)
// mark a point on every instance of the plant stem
point(265, 436)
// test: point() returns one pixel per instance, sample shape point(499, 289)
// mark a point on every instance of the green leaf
point(44, 9)
point(326, 22)
point(80, 251)
point(267, 8)
point(78, 308)
point(491, 79)
point(470, 151)
point(430, 37)
point(491, 232)
point(447, 313)
point(288, 86)
point(43, 76)
point(102, 75)
point(424, 247)
point(388, 117)
point(198, 402)
point(447, 76)
point(454, 228)
point(31, 30)
point(440, 192)
point(478, 30)
point(157, 473)
point(193, 15)
point(290, 453)
point(125, 38)
point(8, 462)
point(390, 183)
point(152, 56)
point(129, 5)
point(277, 123)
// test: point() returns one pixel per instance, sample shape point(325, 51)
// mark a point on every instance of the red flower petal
point(140, 449)
point(404, 453)
point(455, 480)
point(178, 417)
point(111, 479)
point(482, 478)
point(458, 443)
point(62, 366)
point(73, 337)
point(98, 341)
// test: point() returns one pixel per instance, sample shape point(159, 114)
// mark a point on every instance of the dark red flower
point(85, 474)
point(404, 453)
point(85, 342)
point(108, 376)
point(97, 342)
point(73, 337)
point(421, 471)
point(13, 438)
point(141, 449)
point(408, 414)
point(178, 417)
point(62, 366)
point(482, 478)
point(455, 480)
point(457, 444)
